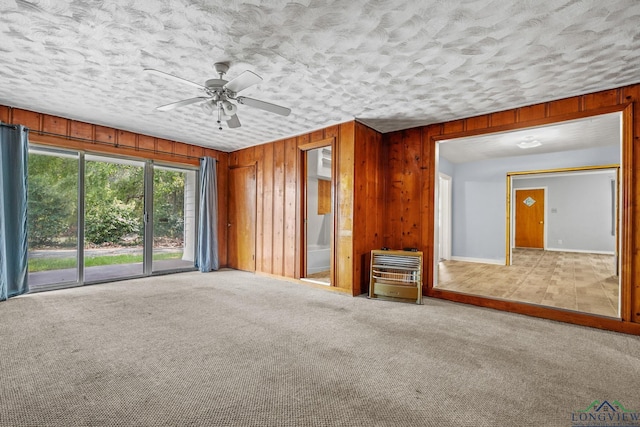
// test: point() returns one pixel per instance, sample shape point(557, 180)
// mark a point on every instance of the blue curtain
point(13, 210)
point(207, 259)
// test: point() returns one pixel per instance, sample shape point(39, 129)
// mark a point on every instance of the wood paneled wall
point(369, 203)
point(45, 129)
point(410, 180)
point(358, 202)
point(278, 222)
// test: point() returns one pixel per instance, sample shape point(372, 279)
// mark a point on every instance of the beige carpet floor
point(236, 349)
point(574, 281)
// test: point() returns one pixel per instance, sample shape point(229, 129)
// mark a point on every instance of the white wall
point(579, 212)
point(479, 196)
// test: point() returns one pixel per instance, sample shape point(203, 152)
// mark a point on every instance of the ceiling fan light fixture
point(219, 92)
point(229, 108)
point(209, 107)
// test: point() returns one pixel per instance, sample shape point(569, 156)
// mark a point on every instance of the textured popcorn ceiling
point(390, 64)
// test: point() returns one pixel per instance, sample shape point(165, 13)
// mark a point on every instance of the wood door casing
point(529, 215)
point(242, 218)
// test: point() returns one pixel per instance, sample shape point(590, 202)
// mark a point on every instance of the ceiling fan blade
point(243, 81)
point(234, 121)
point(182, 103)
point(172, 77)
point(267, 106)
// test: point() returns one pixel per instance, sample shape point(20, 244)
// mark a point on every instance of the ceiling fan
point(219, 93)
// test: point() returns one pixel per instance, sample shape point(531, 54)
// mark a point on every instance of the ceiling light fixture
point(529, 142)
point(209, 107)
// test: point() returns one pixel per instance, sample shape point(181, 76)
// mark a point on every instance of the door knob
point(541, 222)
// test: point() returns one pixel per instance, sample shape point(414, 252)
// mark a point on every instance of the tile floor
point(569, 280)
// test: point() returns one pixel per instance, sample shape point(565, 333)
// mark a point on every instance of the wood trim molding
point(544, 312)
point(545, 114)
point(301, 191)
point(531, 123)
point(317, 144)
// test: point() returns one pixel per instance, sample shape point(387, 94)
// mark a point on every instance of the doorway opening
point(318, 209)
point(568, 255)
point(444, 216)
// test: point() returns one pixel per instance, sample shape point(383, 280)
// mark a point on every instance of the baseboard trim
point(580, 251)
point(478, 260)
point(551, 313)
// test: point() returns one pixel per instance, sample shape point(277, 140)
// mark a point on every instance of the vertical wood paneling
point(344, 239)
point(361, 232)
point(81, 130)
point(245, 157)
point(332, 132)
point(223, 200)
point(259, 158)
point(532, 112)
point(195, 151)
point(316, 135)
point(303, 139)
point(454, 127)
point(368, 203)
point(105, 134)
point(480, 122)
point(5, 113)
point(126, 139)
point(161, 145)
point(290, 206)
point(278, 208)
point(26, 118)
point(564, 106)
point(394, 189)
point(53, 124)
point(411, 175)
point(267, 209)
point(428, 201)
point(503, 118)
point(180, 149)
point(146, 143)
point(605, 98)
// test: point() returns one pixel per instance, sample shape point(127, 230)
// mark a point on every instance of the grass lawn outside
point(45, 264)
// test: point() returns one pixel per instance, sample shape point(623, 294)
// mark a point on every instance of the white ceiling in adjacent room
point(591, 132)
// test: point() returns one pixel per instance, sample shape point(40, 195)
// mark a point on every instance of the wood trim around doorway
point(301, 265)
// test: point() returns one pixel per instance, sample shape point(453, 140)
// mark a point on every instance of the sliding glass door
point(113, 218)
point(52, 217)
point(138, 218)
point(174, 218)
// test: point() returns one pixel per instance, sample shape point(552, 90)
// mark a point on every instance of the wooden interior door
point(530, 218)
point(242, 218)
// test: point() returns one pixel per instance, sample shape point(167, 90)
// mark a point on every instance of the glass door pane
point(174, 218)
point(52, 218)
point(113, 217)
